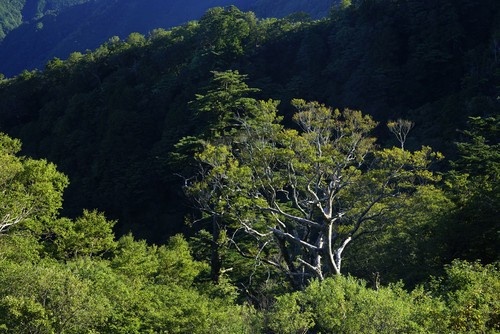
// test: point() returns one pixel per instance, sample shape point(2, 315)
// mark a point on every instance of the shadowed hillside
point(38, 31)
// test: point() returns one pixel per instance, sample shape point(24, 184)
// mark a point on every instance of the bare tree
point(400, 129)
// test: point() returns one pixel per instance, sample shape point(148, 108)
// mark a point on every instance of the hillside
point(16, 12)
point(39, 31)
point(235, 174)
point(243, 175)
point(110, 117)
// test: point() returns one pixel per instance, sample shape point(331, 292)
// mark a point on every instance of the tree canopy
point(31, 190)
point(73, 276)
point(299, 216)
point(303, 195)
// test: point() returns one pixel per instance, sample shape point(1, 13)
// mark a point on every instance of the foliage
point(104, 115)
point(479, 155)
point(470, 290)
point(30, 190)
point(111, 117)
point(268, 181)
point(89, 235)
point(346, 305)
point(156, 100)
point(226, 31)
point(87, 295)
point(411, 247)
point(474, 185)
point(14, 13)
point(303, 196)
point(10, 16)
point(462, 301)
point(71, 276)
point(48, 297)
point(56, 28)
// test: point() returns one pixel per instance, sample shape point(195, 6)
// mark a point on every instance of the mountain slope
point(10, 16)
point(57, 28)
point(110, 117)
point(14, 12)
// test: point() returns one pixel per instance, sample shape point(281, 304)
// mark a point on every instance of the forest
point(35, 31)
point(238, 174)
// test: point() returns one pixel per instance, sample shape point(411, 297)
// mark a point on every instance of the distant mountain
point(14, 12)
point(36, 31)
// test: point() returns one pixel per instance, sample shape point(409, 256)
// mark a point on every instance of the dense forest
point(245, 175)
point(35, 31)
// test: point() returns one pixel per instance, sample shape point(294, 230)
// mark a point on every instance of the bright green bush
point(471, 292)
point(346, 305)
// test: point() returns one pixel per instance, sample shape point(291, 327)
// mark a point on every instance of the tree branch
point(278, 210)
point(295, 239)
